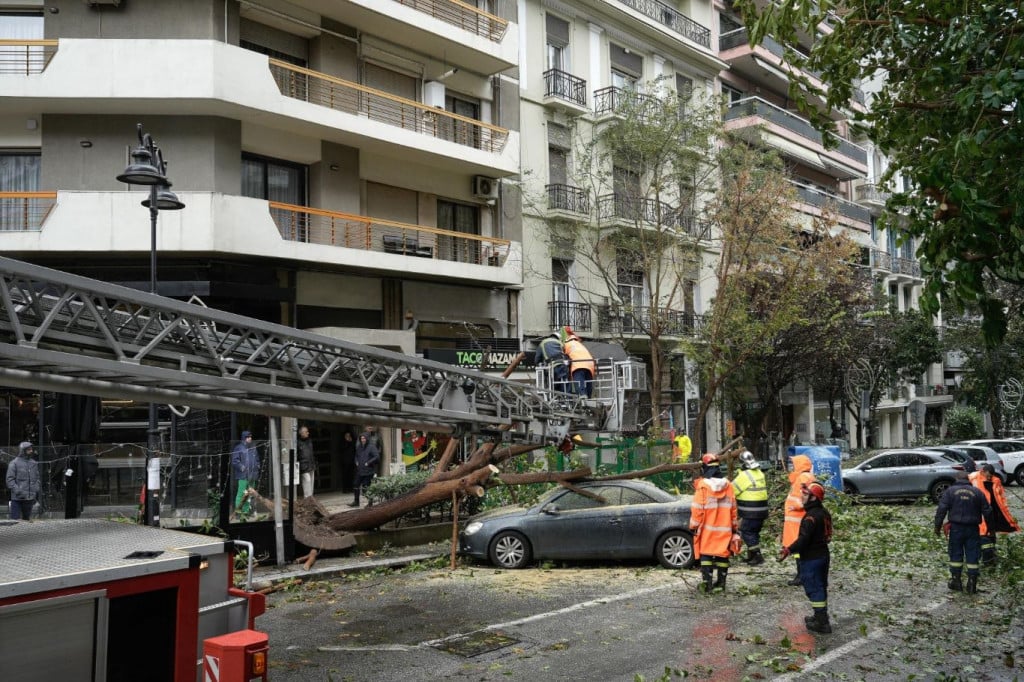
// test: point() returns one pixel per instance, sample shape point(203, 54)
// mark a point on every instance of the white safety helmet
point(748, 461)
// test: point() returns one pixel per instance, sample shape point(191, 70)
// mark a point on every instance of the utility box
point(236, 657)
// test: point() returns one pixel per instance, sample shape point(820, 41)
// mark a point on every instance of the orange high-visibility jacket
point(713, 517)
point(579, 356)
point(1000, 500)
point(794, 506)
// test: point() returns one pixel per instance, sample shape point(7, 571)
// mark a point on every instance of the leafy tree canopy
point(949, 115)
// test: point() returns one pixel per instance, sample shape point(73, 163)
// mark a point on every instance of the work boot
point(819, 622)
point(972, 584)
point(705, 576)
point(719, 585)
point(795, 581)
point(754, 558)
point(955, 583)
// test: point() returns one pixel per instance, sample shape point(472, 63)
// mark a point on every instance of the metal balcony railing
point(739, 36)
point(316, 226)
point(673, 19)
point(619, 319)
point(907, 266)
point(755, 106)
point(462, 15)
point(377, 105)
point(612, 100)
point(819, 199)
point(870, 192)
point(882, 260)
point(567, 198)
point(26, 56)
point(636, 209)
point(928, 390)
point(25, 211)
point(558, 83)
point(575, 315)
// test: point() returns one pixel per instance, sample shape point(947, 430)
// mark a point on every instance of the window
point(458, 131)
point(21, 24)
point(573, 500)
point(684, 88)
point(732, 95)
point(630, 288)
point(557, 33)
point(558, 162)
point(281, 181)
point(19, 172)
point(456, 217)
point(630, 496)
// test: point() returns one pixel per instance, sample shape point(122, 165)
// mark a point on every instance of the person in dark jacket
point(348, 461)
point(966, 507)
point(550, 352)
point(367, 459)
point(23, 481)
point(245, 467)
point(307, 461)
point(812, 546)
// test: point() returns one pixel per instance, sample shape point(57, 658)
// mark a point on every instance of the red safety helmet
point(815, 490)
point(709, 459)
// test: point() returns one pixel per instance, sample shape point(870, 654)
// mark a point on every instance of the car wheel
point(939, 487)
point(675, 549)
point(850, 489)
point(510, 550)
point(1018, 475)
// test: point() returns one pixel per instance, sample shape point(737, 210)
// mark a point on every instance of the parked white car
point(1010, 451)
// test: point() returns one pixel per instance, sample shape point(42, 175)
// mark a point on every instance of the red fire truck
point(91, 599)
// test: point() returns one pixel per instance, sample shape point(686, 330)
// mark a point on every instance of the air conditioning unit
point(485, 187)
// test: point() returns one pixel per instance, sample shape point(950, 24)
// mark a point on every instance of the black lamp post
point(149, 169)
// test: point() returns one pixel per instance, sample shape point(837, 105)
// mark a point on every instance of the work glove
point(945, 528)
point(784, 553)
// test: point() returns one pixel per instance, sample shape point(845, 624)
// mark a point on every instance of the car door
point(640, 519)
point(879, 476)
point(916, 472)
point(578, 526)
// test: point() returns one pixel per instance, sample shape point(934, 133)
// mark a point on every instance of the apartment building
point(340, 163)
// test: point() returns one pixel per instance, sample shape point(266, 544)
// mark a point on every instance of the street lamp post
point(148, 168)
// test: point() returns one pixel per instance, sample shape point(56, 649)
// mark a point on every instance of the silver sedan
point(628, 519)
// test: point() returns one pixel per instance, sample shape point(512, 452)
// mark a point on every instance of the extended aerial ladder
point(64, 333)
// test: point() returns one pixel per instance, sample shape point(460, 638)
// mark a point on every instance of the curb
point(278, 575)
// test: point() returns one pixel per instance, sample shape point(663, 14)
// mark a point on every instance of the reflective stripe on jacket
point(713, 517)
point(996, 499)
point(751, 494)
point(579, 356)
point(794, 506)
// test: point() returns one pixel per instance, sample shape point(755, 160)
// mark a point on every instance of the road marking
point(600, 601)
point(852, 645)
point(372, 647)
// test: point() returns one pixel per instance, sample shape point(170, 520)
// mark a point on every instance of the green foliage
point(964, 423)
point(951, 129)
point(386, 488)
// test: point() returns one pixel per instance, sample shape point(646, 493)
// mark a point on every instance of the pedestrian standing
point(367, 458)
point(713, 523)
point(23, 482)
point(752, 505)
point(245, 466)
point(987, 482)
point(801, 476)
point(348, 461)
point(307, 461)
point(966, 507)
point(811, 545)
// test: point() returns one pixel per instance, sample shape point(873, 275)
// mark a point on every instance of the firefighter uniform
point(751, 505)
point(794, 506)
point(966, 507)
point(1002, 520)
point(713, 522)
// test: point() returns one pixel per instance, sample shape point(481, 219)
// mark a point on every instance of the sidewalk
point(329, 567)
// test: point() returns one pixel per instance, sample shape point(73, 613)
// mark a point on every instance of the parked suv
point(979, 453)
point(903, 473)
point(1010, 451)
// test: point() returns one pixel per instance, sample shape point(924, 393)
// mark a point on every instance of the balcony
point(462, 15)
point(341, 95)
point(856, 216)
point(569, 199)
point(565, 91)
point(620, 320)
point(220, 225)
point(882, 260)
point(673, 19)
point(623, 208)
point(845, 162)
point(25, 211)
point(575, 315)
point(906, 266)
point(611, 101)
point(26, 57)
point(872, 196)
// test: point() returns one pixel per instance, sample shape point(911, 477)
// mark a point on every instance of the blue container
point(825, 462)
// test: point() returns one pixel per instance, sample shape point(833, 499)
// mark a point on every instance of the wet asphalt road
point(590, 622)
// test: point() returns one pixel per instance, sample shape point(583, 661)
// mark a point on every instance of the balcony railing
point(25, 211)
point(928, 390)
point(377, 105)
point(906, 266)
point(636, 209)
point(26, 56)
point(672, 18)
point(575, 315)
point(612, 100)
point(739, 36)
point(755, 106)
point(883, 260)
point(618, 319)
point(819, 199)
point(567, 198)
point(565, 86)
point(462, 15)
point(316, 226)
point(873, 193)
